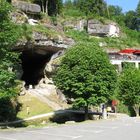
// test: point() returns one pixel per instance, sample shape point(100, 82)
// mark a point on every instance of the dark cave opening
point(33, 65)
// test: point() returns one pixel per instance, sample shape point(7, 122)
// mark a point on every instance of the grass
point(32, 106)
point(27, 32)
point(50, 33)
point(128, 39)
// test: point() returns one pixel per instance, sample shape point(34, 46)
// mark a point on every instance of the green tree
point(59, 6)
point(138, 10)
point(130, 19)
point(50, 7)
point(68, 3)
point(129, 85)
point(54, 7)
point(8, 60)
point(114, 11)
point(137, 21)
point(86, 75)
point(92, 7)
point(43, 4)
point(71, 9)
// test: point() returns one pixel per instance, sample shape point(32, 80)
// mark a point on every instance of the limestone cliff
point(43, 42)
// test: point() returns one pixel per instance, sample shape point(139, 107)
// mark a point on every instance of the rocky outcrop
point(43, 44)
point(19, 17)
point(36, 54)
point(27, 7)
point(75, 24)
point(53, 64)
point(95, 27)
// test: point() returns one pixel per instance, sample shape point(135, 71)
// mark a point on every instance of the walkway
point(121, 129)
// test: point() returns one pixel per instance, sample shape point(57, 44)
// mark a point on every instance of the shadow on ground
point(73, 115)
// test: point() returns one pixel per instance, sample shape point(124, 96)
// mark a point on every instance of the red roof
point(130, 51)
point(137, 52)
point(127, 51)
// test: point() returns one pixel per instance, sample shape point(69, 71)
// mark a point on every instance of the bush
point(122, 108)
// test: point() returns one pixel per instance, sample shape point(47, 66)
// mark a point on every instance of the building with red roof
point(120, 57)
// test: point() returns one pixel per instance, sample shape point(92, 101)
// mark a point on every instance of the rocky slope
point(43, 42)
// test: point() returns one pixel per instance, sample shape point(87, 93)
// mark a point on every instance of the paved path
point(49, 115)
point(122, 129)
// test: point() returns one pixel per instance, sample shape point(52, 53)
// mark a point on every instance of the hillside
point(34, 38)
point(51, 36)
point(31, 106)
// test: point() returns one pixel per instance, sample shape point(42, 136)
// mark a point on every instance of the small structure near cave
point(118, 58)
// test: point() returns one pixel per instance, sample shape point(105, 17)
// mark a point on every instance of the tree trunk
point(136, 109)
point(86, 112)
point(42, 5)
point(46, 8)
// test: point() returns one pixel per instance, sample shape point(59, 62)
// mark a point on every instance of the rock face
point(97, 28)
point(37, 53)
point(27, 7)
point(39, 47)
point(42, 44)
point(76, 24)
point(19, 17)
point(94, 27)
point(53, 63)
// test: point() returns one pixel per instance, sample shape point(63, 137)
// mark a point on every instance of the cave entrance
point(33, 66)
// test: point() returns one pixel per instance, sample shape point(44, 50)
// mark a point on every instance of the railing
point(123, 58)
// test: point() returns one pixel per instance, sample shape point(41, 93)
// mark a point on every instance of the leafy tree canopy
point(129, 84)
point(138, 9)
point(114, 11)
point(9, 34)
point(86, 75)
point(89, 7)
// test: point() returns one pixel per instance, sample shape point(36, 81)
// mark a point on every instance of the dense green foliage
point(87, 7)
point(8, 61)
point(43, 4)
point(138, 9)
point(130, 19)
point(54, 7)
point(86, 75)
point(129, 39)
point(97, 8)
point(129, 84)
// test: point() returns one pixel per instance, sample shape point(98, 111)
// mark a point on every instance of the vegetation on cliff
point(129, 85)
point(85, 73)
point(9, 33)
